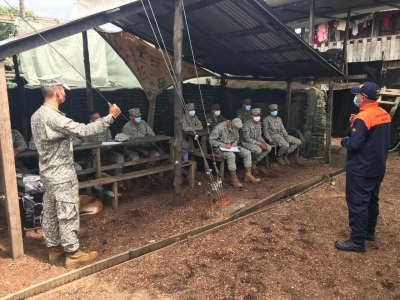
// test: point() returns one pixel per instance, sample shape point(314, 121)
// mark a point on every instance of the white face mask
point(192, 113)
point(256, 119)
point(217, 112)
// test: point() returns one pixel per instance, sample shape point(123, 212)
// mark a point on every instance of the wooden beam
point(311, 28)
point(294, 79)
point(288, 103)
point(86, 62)
point(346, 37)
point(178, 109)
point(152, 112)
point(7, 173)
point(328, 132)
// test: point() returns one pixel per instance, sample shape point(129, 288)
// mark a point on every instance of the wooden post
point(152, 112)
point(178, 109)
point(86, 61)
point(346, 37)
point(22, 8)
point(311, 31)
point(8, 174)
point(288, 103)
point(328, 132)
point(21, 99)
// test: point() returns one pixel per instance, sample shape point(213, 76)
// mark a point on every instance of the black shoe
point(370, 237)
point(349, 246)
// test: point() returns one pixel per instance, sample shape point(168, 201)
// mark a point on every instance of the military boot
point(286, 158)
point(249, 177)
point(56, 254)
point(235, 180)
point(280, 161)
point(254, 167)
point(79, 258)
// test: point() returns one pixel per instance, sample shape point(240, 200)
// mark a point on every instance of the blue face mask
point(138, 120)
point(355, 101)
point(230, 129)
point(248, 107)
point(274, 113)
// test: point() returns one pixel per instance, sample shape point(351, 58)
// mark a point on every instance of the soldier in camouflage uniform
point(190, 123)
point(275, 132)
point(19, 145)
point(251, 138)
point(244, 112)
point(139, 128)
point(214, 117)
point(52, 132)
point(226, 134)
point(110, 156)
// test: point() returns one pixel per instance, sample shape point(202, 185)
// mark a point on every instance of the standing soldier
point(275, 132)
point(135, 128)
point(190, 123)
point(109, 155)
point(214, 117)
point(226, 135)
point(243, 113)
point(251, 138)
point(52, 132)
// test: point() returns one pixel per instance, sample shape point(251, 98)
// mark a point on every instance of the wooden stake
point(288, 104)
point(152, 112)
point(8, 175)
point(86, 61)
point(178, 109)
point(328, 134)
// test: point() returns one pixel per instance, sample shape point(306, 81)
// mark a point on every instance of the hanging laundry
point(354, 30)
point(336, 23)
point(337, 35)
point(342, 25)
point(386, 18)
point(365, 23)
point(369, 17)
point(322, 32)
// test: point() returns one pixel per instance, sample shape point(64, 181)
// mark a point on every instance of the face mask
point(355, 101)
point(274, 113)
point(248, 107)
point(256, 119)
point(138, 120)
point(231, 129)
point(192, 113)
point(217, 113)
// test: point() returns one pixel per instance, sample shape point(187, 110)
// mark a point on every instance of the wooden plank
point(394, 48)
point(328, 132)
point(368, 51)
point(350, 50)
point(372, 54)
point(378, 50)
point(8, 175)
point(346, 38)
point(311, 30)
point(392, 92)
point(363, 50)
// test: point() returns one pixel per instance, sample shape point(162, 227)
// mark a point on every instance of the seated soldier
point(251, 138)
point(275, 132)
point(106, 153)
point(226, 134)
point(19, 145)
point(190, 123)
point(135, 128)
point(243, 113)
point(214, 117)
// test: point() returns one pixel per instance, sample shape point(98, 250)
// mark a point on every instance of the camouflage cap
point(52, 80)
point(135, 112)
point(273, 106)
point(215, 107)
point(189, 106)
point(255, 111)
point(247, 101)
point(236, 122)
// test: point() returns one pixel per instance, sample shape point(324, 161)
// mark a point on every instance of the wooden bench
point(192, 172)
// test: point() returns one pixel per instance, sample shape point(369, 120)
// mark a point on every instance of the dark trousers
point(362, 196)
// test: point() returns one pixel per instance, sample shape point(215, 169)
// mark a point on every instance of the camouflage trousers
point(20, 168)
point(134, 155)
point(60, 222)
point(111, 157)
point(231, 157)
point(185, 143)
point(257, 153)
point(284, 146)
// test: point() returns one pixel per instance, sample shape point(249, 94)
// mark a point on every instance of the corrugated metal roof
point(235, 37)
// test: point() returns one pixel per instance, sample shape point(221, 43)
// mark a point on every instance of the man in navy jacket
point(367, 147)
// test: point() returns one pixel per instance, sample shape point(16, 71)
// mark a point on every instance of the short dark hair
point(91, 113)
point(47, 91)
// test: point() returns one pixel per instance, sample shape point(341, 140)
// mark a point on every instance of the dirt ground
point(206, 267)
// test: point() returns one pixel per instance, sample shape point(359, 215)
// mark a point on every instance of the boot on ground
point(79, 258)
point(280, 161)
point(56, 254)
point(286, 159)
point(235, 180)
point(249, 177)
point(254, 167)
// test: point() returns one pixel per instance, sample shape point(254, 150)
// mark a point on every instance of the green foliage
point(7, 29)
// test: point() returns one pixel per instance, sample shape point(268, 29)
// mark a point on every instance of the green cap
point(247, 101)
point(215, 107)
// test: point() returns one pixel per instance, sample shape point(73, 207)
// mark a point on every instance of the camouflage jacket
point(75, 142)
point(273, 126)
point(190, 124)
point(101, 137)
point(251, 134)
point(243, 114)
point(221, 135)
point(142, 130)
point(210, 119)
point(18, 141)
point(52, 133)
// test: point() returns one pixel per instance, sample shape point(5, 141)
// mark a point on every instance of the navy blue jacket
point(368, 142)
